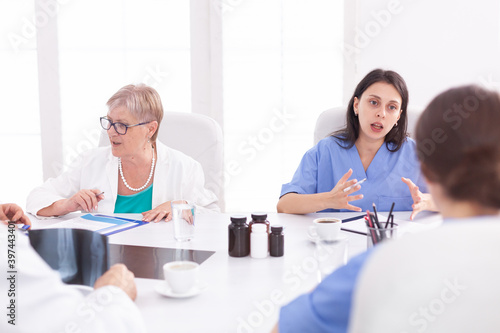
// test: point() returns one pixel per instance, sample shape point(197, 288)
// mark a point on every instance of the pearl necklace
point(147, 182)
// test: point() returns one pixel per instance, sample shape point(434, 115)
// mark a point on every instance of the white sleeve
point(62, 187)
point(109, 309)
point(204, 199)
point(43, 303)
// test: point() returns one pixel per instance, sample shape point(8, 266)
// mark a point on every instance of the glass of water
point(183, 216)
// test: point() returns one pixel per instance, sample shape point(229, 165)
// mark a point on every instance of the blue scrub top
point(328, 307)
point(323, 165)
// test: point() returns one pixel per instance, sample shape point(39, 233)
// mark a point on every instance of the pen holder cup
point(375, 235)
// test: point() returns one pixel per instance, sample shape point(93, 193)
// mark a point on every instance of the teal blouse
point(135, 203)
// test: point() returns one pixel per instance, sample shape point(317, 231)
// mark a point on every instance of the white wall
point(20, 141)
point(282, 68)
point(433, 44)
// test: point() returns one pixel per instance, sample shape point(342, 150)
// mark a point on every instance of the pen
point(99, 194)
point(358, 183)
point(377, 223)
point(368, 220)
point(370, 224)
point(24, 227)
point(389, 216)
point(353, 218)
point(376, 216)
point(354, 231)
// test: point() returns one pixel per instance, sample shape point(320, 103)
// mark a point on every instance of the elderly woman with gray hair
point(135, 174)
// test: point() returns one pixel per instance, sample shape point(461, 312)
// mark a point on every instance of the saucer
point(315, 238)
point(164, 289)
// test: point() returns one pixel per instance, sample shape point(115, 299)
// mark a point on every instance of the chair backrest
point(413, 116)
point(443, 280)
point(199, 137)
point(328, 122)
point(334, 119)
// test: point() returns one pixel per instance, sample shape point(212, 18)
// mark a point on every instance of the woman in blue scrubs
point(374, 145)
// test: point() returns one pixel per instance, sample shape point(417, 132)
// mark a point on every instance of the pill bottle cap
point(276, 229)
point(238, 219)
point(259, 216)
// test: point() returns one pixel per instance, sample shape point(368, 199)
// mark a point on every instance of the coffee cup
point(181, 276)
point(326, 228)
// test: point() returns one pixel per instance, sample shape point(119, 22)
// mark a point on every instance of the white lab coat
point(177, 177)
point(43, 303)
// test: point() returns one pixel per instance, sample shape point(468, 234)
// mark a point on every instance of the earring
point(149, 140)
point(396, 125)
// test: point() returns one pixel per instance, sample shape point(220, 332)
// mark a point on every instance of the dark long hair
point(396, 136)
point(457, 144)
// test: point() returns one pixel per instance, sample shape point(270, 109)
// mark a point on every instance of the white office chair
point(443, 280)
point(413, 116)
point(199, 137)
point(328, 122)
point(333, 119)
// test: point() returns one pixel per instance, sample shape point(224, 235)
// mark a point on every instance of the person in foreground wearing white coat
point(36, 300)
point(135, 174)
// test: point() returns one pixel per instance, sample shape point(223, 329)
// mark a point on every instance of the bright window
point(20, 143)
point(105, 45)
point(282, 68)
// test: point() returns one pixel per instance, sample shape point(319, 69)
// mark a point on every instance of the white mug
point(181, 276)
point(326, 228)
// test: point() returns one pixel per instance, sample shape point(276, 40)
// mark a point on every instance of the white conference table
point(243, 294)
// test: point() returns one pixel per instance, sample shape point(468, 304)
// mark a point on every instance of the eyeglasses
point(120, 128)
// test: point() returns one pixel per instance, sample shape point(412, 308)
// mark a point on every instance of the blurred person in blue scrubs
point(43, 303)
point(373, 145)
point(382, 289)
